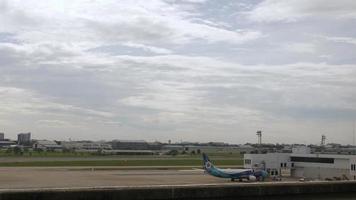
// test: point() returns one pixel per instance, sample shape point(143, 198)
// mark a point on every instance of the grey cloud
point(294, 10)
point(140, 29)
point(171, 70)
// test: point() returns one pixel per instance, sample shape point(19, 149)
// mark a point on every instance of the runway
point(73, 177)
point(108, 183)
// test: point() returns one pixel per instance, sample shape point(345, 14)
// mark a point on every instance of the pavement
point(74, 177)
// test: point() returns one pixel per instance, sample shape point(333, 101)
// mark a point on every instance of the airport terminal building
point(301, 163)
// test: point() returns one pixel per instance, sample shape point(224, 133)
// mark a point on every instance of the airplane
point(233, 174)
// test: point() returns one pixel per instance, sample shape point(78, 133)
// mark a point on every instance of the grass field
point(46, 154)
point(52, 159)
point(4, 153)
point(61, 159)
point(153, 162)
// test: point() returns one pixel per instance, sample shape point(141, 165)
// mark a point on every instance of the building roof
point(324, 156)
point(46, 142)
point(130, 141)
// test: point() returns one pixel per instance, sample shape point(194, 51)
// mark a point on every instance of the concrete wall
point(320, 173)
point(272, 160)
point(231, 191)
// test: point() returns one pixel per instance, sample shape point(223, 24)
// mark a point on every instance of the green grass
point(88, 154)
point(153, 162)
point(30, 159)
point(35, 154)
point(46, 154)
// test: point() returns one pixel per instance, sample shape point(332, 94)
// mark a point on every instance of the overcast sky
point(185, 70)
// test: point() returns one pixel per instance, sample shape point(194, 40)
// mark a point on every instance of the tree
point(172, 152)
point(99, 152)
point(18, 150)
point(9, 150)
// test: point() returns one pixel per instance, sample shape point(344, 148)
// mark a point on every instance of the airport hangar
point(303, 164)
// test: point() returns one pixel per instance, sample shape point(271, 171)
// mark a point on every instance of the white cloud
point(194, 1)
point(89, 24)
point(153, 49)
point(294, 10)
point(25, 102)
point(161, 69)
point(347, 40)
point(301, 48)
point(53, 123)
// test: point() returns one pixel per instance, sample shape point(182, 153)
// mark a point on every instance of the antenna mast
point(259, 135)
point(353, 125)
point(323, 138)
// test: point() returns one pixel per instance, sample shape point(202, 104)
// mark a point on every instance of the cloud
point(53, 123)
point(294, 10)
point(301, 48)
point(346, 40)
point(153, 49)
point(22, 101)
point(112, 23)
point(194, 1)
point(172, 69)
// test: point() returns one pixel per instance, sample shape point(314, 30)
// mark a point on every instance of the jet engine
point(252, 178)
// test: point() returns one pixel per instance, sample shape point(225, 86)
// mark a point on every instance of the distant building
point(6, 144)
point(128, 152)
point(246, 148)
point(86, 145)
point(130, 145)
point(24, 138)
point(173, 147)
point(46, 145)
point(301, 150)
point(2, 136)
point(303, 164)
point(155, 146)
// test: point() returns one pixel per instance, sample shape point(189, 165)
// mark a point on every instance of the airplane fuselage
point(247, 174)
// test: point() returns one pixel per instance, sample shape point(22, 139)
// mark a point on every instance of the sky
point(180, 70)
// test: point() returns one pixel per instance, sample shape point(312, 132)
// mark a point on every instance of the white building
point(86, 145)
point(47, 145)
point(274, 163)
point(301, 163)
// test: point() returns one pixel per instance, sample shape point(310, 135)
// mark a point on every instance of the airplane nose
point(265, 174)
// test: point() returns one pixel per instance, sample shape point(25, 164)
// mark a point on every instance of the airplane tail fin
point(205, 158)
point(207, 163)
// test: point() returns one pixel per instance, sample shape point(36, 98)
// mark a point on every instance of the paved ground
point(23, 177)
point(24, 159)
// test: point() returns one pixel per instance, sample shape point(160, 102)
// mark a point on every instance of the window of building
point(281, 164)
point(285, 164)
point(248, 161)
point(292, 164)
point(312, 159)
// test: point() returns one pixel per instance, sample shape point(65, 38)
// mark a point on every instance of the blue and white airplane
point(233, 174)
